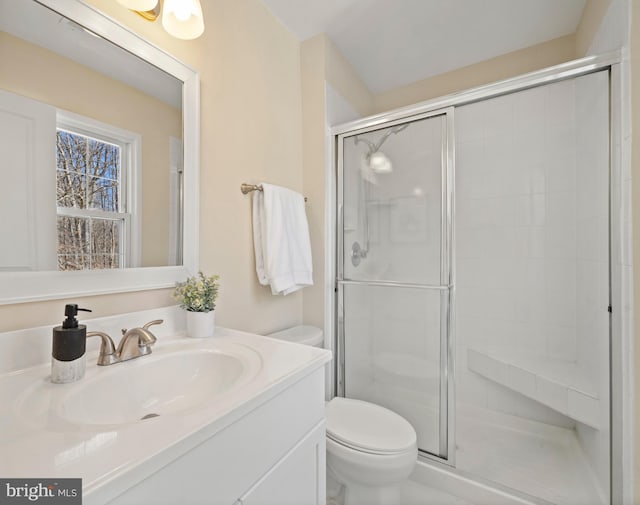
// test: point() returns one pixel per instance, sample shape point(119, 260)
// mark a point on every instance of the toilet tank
point(303, 334)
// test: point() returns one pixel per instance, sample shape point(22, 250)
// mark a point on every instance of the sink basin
point(156, 385)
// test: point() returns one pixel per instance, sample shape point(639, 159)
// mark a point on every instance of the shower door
point(394, 277)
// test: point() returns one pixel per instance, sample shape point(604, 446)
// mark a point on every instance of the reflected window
point(92, 217)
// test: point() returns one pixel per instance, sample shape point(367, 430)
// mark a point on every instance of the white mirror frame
point(19, 287)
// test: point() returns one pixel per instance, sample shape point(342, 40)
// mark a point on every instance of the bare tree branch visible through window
point(88, 177)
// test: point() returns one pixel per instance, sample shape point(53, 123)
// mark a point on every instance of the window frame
point(130, 144)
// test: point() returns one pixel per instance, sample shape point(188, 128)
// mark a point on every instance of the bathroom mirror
point(99, 143)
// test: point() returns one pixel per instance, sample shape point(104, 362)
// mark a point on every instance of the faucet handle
point(151, 338)
point(153, 323)
point(107, 354)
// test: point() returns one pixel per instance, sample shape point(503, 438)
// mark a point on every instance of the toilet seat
point(368, 428)
point(353, 447)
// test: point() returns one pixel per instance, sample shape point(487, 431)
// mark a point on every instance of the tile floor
point(532, 457)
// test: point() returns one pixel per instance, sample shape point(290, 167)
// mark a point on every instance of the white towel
point(281, 240)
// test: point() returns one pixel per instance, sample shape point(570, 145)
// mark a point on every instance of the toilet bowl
point(370, 449)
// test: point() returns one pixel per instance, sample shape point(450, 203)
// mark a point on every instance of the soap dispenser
point(69, 345)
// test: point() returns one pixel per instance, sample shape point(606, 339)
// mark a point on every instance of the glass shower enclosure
point(394, 276)
point(521, 301)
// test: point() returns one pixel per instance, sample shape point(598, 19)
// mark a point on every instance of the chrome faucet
point(135, 342)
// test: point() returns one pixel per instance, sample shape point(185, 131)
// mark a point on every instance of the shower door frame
point(621, 365)
point(446, 436)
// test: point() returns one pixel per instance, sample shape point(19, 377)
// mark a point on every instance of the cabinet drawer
point(297, 479)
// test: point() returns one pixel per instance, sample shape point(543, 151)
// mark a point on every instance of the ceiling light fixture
point(180, 18)
point(139, 5)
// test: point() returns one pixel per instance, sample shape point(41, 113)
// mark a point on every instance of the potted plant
point(197, 296)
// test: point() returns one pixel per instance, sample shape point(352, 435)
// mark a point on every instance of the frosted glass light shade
point(139, 5)
point(183, 18)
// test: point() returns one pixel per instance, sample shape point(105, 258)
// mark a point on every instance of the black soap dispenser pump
point(69, 345)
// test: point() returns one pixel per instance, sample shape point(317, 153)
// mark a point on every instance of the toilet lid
point(368, 427)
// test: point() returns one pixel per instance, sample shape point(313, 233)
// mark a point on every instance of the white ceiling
point(391, 43)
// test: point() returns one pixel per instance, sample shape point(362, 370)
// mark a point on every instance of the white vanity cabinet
point(272, 455)
point(261, 441)
point(297, 479)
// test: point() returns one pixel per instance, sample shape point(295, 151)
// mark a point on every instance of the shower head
point(376, 160)
point(380, 163)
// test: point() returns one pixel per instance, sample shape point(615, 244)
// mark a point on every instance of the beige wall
point(313, 69)
point(74, 88)
point(592, 16)
point(488, 71)
point(251, 131)
point(28, 315)
point(249, 66)
point(322, 63)
point(341, 75)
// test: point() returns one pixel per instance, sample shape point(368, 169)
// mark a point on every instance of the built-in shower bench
point(558, 384)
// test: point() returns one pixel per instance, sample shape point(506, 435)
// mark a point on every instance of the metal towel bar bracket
point(248, 188)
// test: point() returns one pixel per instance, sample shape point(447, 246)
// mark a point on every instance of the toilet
point(370, 449)
point(304, 334)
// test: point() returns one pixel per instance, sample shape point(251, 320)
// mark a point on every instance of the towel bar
point(248, 188)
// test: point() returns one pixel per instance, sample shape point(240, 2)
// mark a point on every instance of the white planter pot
point(201, 324)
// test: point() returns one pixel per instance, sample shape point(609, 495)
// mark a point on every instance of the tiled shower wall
point(532, 243)
point(515, 257)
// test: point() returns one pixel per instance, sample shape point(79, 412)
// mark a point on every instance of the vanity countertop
point(36, 441)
